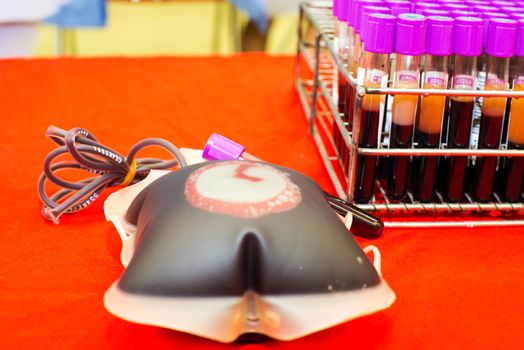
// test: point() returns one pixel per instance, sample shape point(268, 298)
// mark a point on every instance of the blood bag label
point(241, 189)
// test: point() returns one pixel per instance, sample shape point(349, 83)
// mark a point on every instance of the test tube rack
point(317, 61)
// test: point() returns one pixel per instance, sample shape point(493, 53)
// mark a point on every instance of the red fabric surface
point(455, 288)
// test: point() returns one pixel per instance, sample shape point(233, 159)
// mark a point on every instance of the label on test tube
point(438, 80)
point(377, 77)
point(407, 76)
point(493, 82)
point(464, 82)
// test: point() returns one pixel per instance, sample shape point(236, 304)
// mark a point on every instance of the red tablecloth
point(455, 288)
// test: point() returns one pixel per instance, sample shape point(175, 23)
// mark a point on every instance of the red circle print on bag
point(241, 188)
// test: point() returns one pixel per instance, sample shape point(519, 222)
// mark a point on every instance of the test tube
point(415, 2)
point(448, 1)
point(517, 16)
point(342, 42)
point(487, 15)
point(420, 6)
point(476, 2)
point(364, 15)
point(379, 42)
point(344, 47)
point(510, 10)
point(499, 3)
point(500, 47)
point(410, 41)
point(431, 12)
point(514, 167)
point(467, 46)
point(398, 6)
point(439, 40)
point(356, 13)
point(484, 8)
point(463, 13)
point(363, 9)
point(454, 6)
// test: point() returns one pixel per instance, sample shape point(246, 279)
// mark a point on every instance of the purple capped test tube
point(343, 47)
point(499, 3)
point(484, 8)
point(353, 65)
point(487, 17)
point(365, 12)
point(439, 47)
point(431, 12)
point(514, 166)
point(380, 39)
point(420, 6)
point(500, 47)
point(510, 10)
point(410, 40)
point(443, 2)
point(517, 16)
point(476, 2)
point(467, 47)
point(399, 6)
point(454, 6)
point(465, 13)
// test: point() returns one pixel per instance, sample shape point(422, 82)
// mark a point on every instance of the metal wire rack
point(316, 62)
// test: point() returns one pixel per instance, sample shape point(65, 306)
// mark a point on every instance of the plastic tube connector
point(219, 147)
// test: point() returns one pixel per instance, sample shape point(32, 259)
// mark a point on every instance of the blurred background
point(49, 28)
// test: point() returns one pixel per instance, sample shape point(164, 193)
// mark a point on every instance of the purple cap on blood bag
point(399, 7)
point(365, 12)
point(439, 35)
point(468, 36)
point(356, 10)
point(410, 36)
point(420, 6)
point(519, 47)
point(380, 33)
point(464, 13)
point(431, 12)
point(501, 37)
point(335, 8)
point(219, 147)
